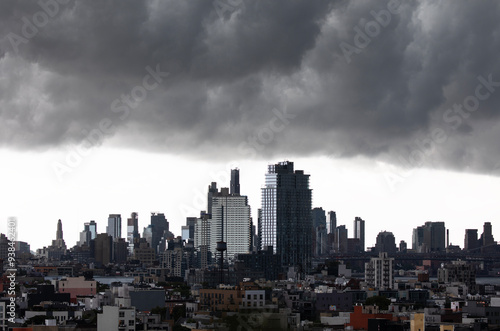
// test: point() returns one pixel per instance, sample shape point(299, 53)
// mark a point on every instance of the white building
point(116, 318)
point(379, 272)
point(230, 222)
point(254, 299)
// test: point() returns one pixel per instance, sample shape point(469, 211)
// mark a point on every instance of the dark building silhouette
point(103, 249)
point(385, 243)
point(235, 182)
point(359, 231)
point(430, 237)
point(286, 220)
point(47, 292)
point(471, 243)
point(212, 188)
point(319, 231)
point(159, 228)
point(332, 221)
point(341, 243)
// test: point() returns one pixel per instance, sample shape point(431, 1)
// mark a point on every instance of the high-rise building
point(114, 228)
point(332, 220)
point(318, 217)
point(385, 243)
point(320, 238)
point(103, 248)
point(471, 242)
point(202, 239)
point(212, 188)
point(59, 242)
point(431, 237)
point(235, 182)
point(188, 229)
point(359, 231)
point(403, 247)
point(159, 227)
point(487, 235)
point(93, 229)
point(378, 272)
point(85, 235)
point(132, 231)
point(231, 223)
point(341, 242)
point(286, 215)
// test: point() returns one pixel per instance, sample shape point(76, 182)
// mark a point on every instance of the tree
point(378, 300)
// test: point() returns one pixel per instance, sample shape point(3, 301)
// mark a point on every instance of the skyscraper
point(93, 229)
point(385, 243)
point(235, 181)
point(85, 235)
point(471, 243)
point(341, 242)
point(114, 228)
point(286, 221)
point(359, 231)
point(320, 241)
point(159, 227)
point(332, 220)
point(230, 222)
point(429, 237)
point(132, 231)
point(212, 188)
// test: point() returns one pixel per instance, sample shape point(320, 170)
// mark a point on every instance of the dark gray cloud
point(229, 76)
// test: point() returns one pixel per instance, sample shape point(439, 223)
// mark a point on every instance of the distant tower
point(235, 182)
point(59, 232)
point(359, 231)
point(212, 188)
point(93, 229)
point(132, 231)
point(114, 228)
point(332, 218)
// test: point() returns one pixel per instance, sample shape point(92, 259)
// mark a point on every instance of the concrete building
point(385, 243)
point(230, 222)
point(115, 318)
point(76, 286)
point(459, 272)
point(379, 272)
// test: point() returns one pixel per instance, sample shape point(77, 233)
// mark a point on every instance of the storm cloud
point(390, 81)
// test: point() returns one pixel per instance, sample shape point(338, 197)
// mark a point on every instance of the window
point(121, 314)
point(131, 323)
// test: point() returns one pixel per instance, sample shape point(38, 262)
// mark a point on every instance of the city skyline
point(391, 107)
point(370, 237)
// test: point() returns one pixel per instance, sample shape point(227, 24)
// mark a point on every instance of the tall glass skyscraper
point(359, 231)
point(114, 228)
point(286, 221)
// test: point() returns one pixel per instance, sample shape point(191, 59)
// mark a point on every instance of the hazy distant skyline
point(391, 108)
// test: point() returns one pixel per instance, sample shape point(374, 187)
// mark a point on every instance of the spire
point(59, 233)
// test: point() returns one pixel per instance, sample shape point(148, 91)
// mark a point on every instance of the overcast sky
point(123, 106)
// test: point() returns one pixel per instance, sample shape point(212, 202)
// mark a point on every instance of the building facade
point(286, 220)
